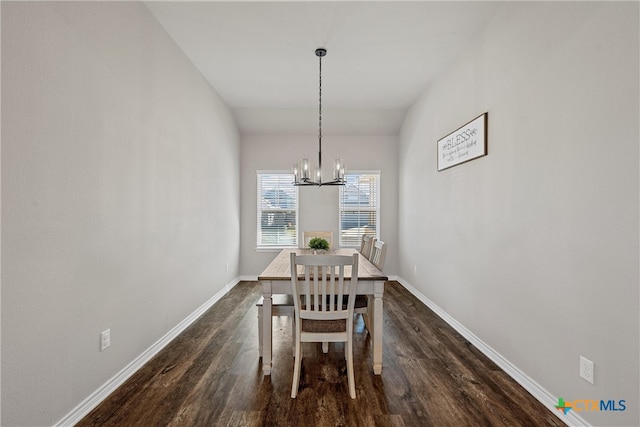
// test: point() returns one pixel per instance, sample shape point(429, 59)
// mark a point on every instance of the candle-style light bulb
point(337, 167)
point(296, 177)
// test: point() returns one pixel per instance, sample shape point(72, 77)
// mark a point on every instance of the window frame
point(375, 209)
point(260, 245)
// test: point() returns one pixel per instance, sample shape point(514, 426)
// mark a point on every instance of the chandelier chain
point(320, 112)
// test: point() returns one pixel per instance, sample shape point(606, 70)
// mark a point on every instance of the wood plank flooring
point(211, 376)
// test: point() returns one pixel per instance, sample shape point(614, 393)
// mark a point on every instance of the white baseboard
point(535, 389)
point(88, 404)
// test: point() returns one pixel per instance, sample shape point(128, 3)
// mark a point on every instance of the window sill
point(273, 248)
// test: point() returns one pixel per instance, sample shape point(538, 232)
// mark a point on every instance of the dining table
point(276, 279)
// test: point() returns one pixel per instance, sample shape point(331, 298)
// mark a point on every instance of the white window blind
point(359, 208)
point(277, 210)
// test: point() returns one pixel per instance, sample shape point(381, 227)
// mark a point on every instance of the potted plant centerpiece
point(318, 244)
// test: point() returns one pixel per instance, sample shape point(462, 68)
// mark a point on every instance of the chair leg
point(350, 376)
point(297, 360)
point(260, 331)
point(325, 347)
point(365, 318)
point(293, 332)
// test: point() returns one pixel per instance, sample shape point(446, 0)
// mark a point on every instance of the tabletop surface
point(280, 268)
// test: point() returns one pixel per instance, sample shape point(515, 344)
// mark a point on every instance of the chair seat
point(361, 306)
point(278, 300)
point(361, 301)
point(311, 325)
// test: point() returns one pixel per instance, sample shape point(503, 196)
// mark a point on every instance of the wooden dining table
point(276, 279)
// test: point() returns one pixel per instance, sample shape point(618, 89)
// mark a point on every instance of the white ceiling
point(381, 56)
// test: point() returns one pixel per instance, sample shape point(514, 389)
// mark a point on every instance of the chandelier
point(302, 173)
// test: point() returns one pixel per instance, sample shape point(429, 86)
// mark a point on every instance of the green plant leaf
point(318, 243)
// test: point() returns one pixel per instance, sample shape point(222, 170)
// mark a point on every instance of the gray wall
point(116, 210)
point(318, 208)
point(534, 248)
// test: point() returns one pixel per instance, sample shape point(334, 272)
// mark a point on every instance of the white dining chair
point(378, 254)
point(377, 257)
point(366, 245)
point(321, 315)
point(308, 235)
point(362, 301)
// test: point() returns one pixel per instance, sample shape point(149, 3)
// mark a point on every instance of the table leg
point(266, 328)
point(377, 328)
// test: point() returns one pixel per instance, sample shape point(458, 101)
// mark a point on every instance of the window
point(277, 210)
point(359, 208)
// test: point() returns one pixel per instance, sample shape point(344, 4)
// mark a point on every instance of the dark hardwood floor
point(211, 376)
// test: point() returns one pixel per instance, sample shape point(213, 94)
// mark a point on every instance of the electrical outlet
point(105, 339)
point(586, 369)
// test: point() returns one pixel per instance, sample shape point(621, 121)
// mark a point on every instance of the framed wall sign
point(463, 144)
